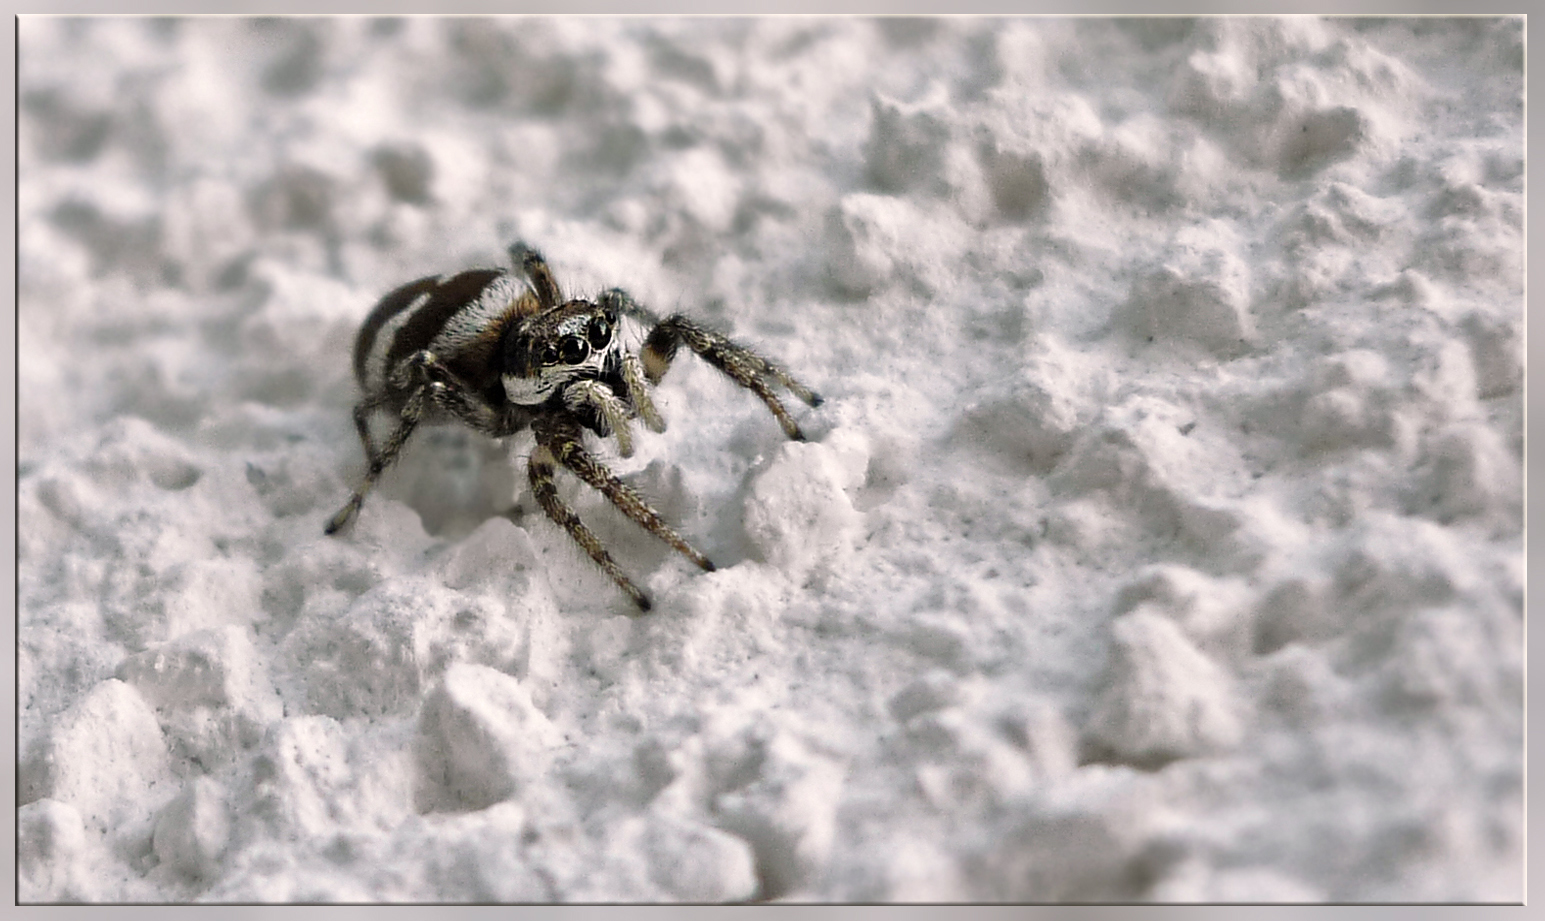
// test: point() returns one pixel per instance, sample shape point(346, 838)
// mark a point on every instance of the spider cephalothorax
point(500, 353)
point(545, 352)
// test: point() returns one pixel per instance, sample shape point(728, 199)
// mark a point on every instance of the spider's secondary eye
point(574, 350)
point(599, 333)
point(549, 355)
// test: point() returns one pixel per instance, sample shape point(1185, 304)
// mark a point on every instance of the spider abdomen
point(459, 318)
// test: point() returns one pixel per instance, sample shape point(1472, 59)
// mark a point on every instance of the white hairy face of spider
point(580, 345)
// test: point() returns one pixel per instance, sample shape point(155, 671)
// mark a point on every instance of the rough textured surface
point(1160, 536)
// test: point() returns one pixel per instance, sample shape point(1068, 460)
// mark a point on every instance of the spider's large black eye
point(599, 332)
point(574, 350)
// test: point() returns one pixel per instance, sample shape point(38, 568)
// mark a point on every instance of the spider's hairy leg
point(362, 411)
point(745, 367)
point(623, 302)
point(450, 393)
point(541, 277)
point(540, 470)
point(412, 412)
point(633, 374)
point(638, 392)
point(563, 442)
point(427, 382)
point(599, 397)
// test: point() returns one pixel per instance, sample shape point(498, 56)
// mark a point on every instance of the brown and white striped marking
point(459, 318)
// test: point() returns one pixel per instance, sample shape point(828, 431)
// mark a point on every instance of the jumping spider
point(501, 351)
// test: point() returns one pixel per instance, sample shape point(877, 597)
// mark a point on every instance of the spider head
point(546, 351)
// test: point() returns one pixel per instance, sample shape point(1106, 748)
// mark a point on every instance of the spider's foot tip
point(643, 602)
point(338, 521)
point(816, 399)
point(708, 565)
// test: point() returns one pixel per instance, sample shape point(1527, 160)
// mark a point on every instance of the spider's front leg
point(633, 376)
point(611, 411)
point(558, 441)
point(540, 470)
point(745, 367)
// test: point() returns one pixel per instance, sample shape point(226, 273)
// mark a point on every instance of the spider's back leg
point(426, 382)
point(377, 461)
point(535, 267)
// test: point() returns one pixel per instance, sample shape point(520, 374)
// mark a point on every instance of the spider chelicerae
point(501, 351)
